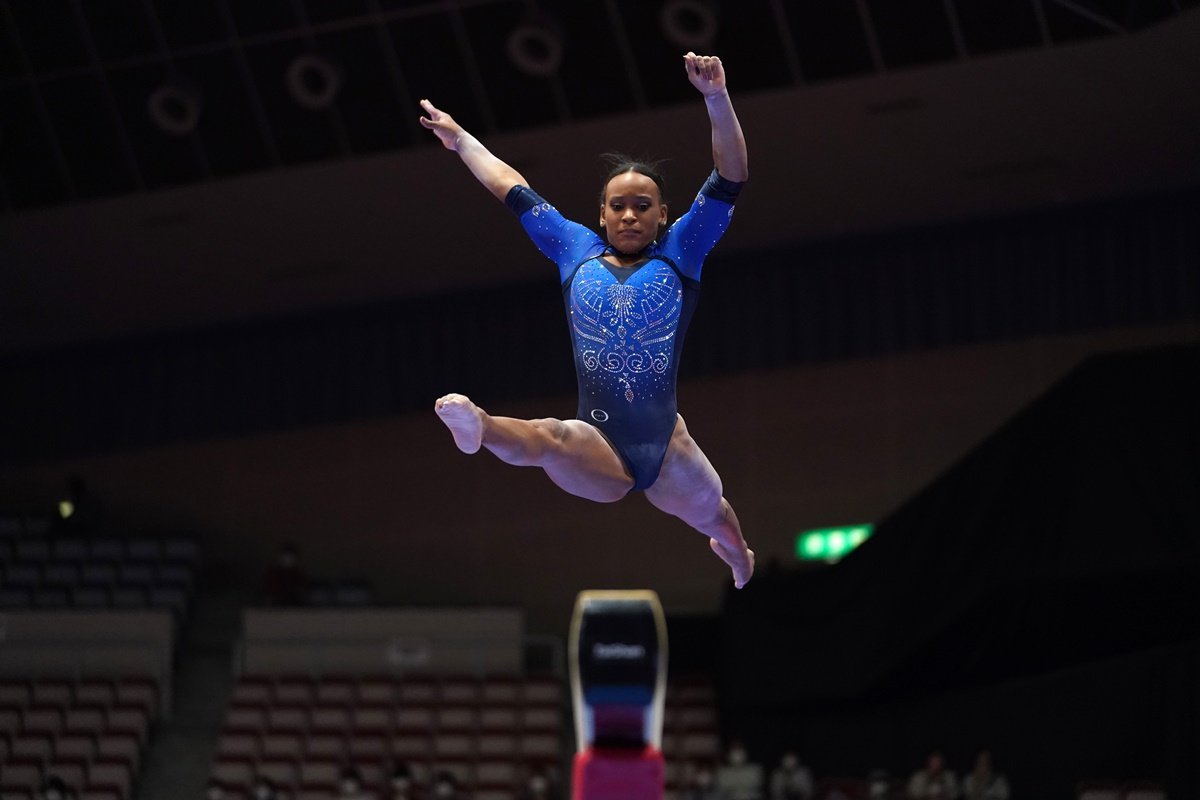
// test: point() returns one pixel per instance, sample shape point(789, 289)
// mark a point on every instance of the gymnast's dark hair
point(619, 164)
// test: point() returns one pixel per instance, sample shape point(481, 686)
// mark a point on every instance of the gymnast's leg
point(689, 488)
point(573, 454)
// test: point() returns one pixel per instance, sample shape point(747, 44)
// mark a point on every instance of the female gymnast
point(629, 297)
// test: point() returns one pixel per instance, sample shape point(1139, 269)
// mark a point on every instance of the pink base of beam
point(610, 774)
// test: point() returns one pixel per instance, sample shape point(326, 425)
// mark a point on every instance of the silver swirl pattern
point(624, 333)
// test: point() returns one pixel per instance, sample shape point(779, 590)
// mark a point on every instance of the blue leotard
point(628, 323)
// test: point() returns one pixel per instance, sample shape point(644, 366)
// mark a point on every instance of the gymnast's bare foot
point(740, 561)
point(463, 418)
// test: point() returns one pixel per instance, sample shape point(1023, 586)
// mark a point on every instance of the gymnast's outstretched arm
point(497, 176)
point(729, 145)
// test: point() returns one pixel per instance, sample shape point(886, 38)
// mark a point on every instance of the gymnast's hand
point(705, 73)
point(442, 125)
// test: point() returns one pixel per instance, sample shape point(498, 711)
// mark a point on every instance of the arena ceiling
point(172, 165)
point(107, 97)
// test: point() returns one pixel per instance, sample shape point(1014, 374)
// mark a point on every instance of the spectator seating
point(49, 572)
point(1098, 790)
point(300, 731)
point(690, 736)
point(1117, 790)
point(90, 732)
point(1143, 790)
point(341, 594)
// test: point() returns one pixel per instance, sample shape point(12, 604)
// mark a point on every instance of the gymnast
point(629, 296)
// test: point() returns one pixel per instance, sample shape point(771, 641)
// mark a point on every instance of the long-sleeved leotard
point(627, 324)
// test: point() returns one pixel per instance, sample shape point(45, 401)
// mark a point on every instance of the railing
point(400, 655)
point(104, 657)
point(83, 644)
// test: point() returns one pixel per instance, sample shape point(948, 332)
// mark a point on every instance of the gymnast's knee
point(704, 508)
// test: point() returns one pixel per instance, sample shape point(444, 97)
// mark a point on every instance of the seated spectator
point(791, 780)
point(55, 789)
point(264, 789)
point(983, 782)
point(934, 781)
point(445, 787)
point(285, 583)
point(539, 787)
point(703, 786)
point(401, 785)
point(739, 778)
point(879, 784)
point(350, 785)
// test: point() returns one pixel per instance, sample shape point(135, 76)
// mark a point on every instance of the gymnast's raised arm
point(493, 173)
point(728, 143)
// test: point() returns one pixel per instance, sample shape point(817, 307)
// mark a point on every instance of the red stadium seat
point(293, 691)
point(1098, 790)
point(116, 746)
point(114, 775)
point(287, 746)
point(238, 743)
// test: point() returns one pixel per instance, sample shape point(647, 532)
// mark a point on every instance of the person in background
point(791, 780)
point(402, 785)
point(56, 789)
point(539, 787)
point(214, 791)
point(285, 583)
point(264, 789)
point(739, 778)
point(934, 781)
point(983, 782)
point(445, 787)
point(350, 785)
point(703, 786)
point(879, 784)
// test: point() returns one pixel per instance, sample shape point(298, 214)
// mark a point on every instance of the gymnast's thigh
point(585, 464)
point(688, 485)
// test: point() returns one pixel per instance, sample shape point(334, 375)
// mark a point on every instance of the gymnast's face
point(633, 212)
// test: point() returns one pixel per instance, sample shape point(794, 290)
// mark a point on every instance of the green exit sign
point(830, 544)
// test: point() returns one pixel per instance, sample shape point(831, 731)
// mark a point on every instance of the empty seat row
point(170, 597)
point(689, 718)
point(695, 746)
point(691, 690)
point(320, 792)
point(14, 524)
point(39, 572)
point(384, 718)
point(112, 780)
point(100, 573)
point(102, 757)
point(1118, 790)
point(107, 548)
point(298, 731)
point(90, 733)
point(50, 723)
point(690, 725)
point(295, 690)
point(105, 745)
point(418, 746)
point(64, 694)
point(346, 593)
point(493, 776)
